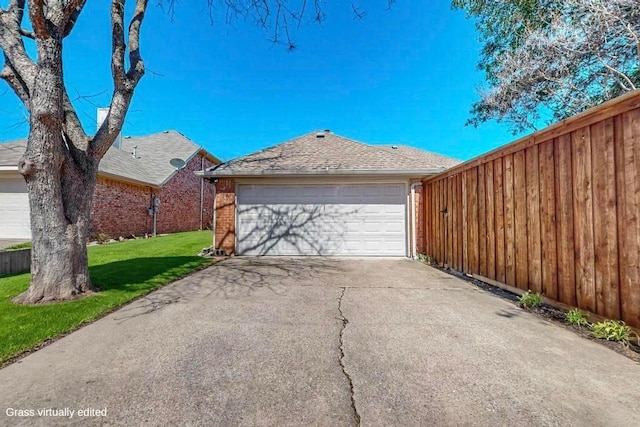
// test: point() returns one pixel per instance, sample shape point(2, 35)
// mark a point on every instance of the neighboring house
point(323, 194)
point(131, 174)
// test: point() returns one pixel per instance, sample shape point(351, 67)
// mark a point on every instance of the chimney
point(102, 115)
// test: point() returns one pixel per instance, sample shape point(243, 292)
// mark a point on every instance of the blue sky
point(405, 75)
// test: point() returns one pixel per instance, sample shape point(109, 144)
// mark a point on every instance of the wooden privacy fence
point(12, 262)
point(557, 212)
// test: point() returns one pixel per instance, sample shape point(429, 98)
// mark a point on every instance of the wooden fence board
point(604, 219)
point(619, 153)
point(461, 221)
point(455, 206)
point(441, 231)
point(630, 283)
point(491, 216)
point(449, 217)
point(498, 188)
point(482, 224)
point(465, 223)
point(473, 241)
point(520, 219)
point(548, 221)
point(534, 254)
point(583, 219)
point(564, 217)
point(509, 222)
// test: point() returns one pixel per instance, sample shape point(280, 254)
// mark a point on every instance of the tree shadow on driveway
point(239, 278)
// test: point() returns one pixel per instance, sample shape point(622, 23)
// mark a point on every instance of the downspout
point(213, 223)
point(155, 214)
point(201, 193)
point(414, 241)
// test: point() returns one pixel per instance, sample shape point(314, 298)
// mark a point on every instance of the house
point(133, 174)
point(323, 194)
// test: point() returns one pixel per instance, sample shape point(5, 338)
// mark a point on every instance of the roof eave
point(121, 178)
point(329, 172)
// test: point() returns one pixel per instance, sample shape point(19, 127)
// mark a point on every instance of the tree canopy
point(546, 60)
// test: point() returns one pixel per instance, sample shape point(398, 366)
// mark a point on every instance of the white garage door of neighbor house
point(14, 209)
point(349, 219)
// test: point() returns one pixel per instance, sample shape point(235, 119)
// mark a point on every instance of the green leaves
point(546, 60)
point(530, 299)
point(576, 317)
point(612, 330)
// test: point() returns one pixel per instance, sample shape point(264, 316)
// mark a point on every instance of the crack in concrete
point(345, 322)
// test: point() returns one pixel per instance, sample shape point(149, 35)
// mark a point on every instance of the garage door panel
point(322, 219)
point(14, 209)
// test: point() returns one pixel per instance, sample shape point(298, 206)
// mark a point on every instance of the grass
point(530, 299)
point(121, 271)
point(19, 246)
point(576, 317)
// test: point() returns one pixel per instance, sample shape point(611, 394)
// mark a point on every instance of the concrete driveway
point(316, 341)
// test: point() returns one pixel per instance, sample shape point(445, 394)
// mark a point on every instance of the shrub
point(576, 317)
point(424, 258)
point(530, 299)
point(612, 330)
point(102, 237)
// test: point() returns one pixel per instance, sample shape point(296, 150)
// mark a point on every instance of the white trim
point(407, 173)
point(328, 180)
point(407, 220)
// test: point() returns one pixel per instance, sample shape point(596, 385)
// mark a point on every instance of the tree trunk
point(61, 179)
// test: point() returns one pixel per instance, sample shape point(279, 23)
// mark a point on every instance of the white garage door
point(322, 219)
point(14, 209)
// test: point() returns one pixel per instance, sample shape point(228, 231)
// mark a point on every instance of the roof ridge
point(433, 153)
point(430, 152)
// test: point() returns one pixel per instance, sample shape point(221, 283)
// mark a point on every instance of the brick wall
point(180, 201)
point(226, 215)
point(120, 208)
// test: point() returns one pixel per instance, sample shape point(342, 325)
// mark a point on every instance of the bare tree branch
point(19, 69)
point(38, 18)
point(136, 70)
point(125, 81)
point(71, 13)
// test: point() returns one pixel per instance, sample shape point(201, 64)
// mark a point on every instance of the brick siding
point(120, 208)
point(226, 215)
point(180, 201)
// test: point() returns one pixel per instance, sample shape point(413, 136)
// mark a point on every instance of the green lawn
point(122, 272)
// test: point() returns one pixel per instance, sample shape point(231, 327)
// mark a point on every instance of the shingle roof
point(332, 154)
point(149, 166)
point(11, 152)
point(426, 156)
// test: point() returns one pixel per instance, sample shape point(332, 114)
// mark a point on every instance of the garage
point(322, 219)
point(14, 208)
point(322, 194)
